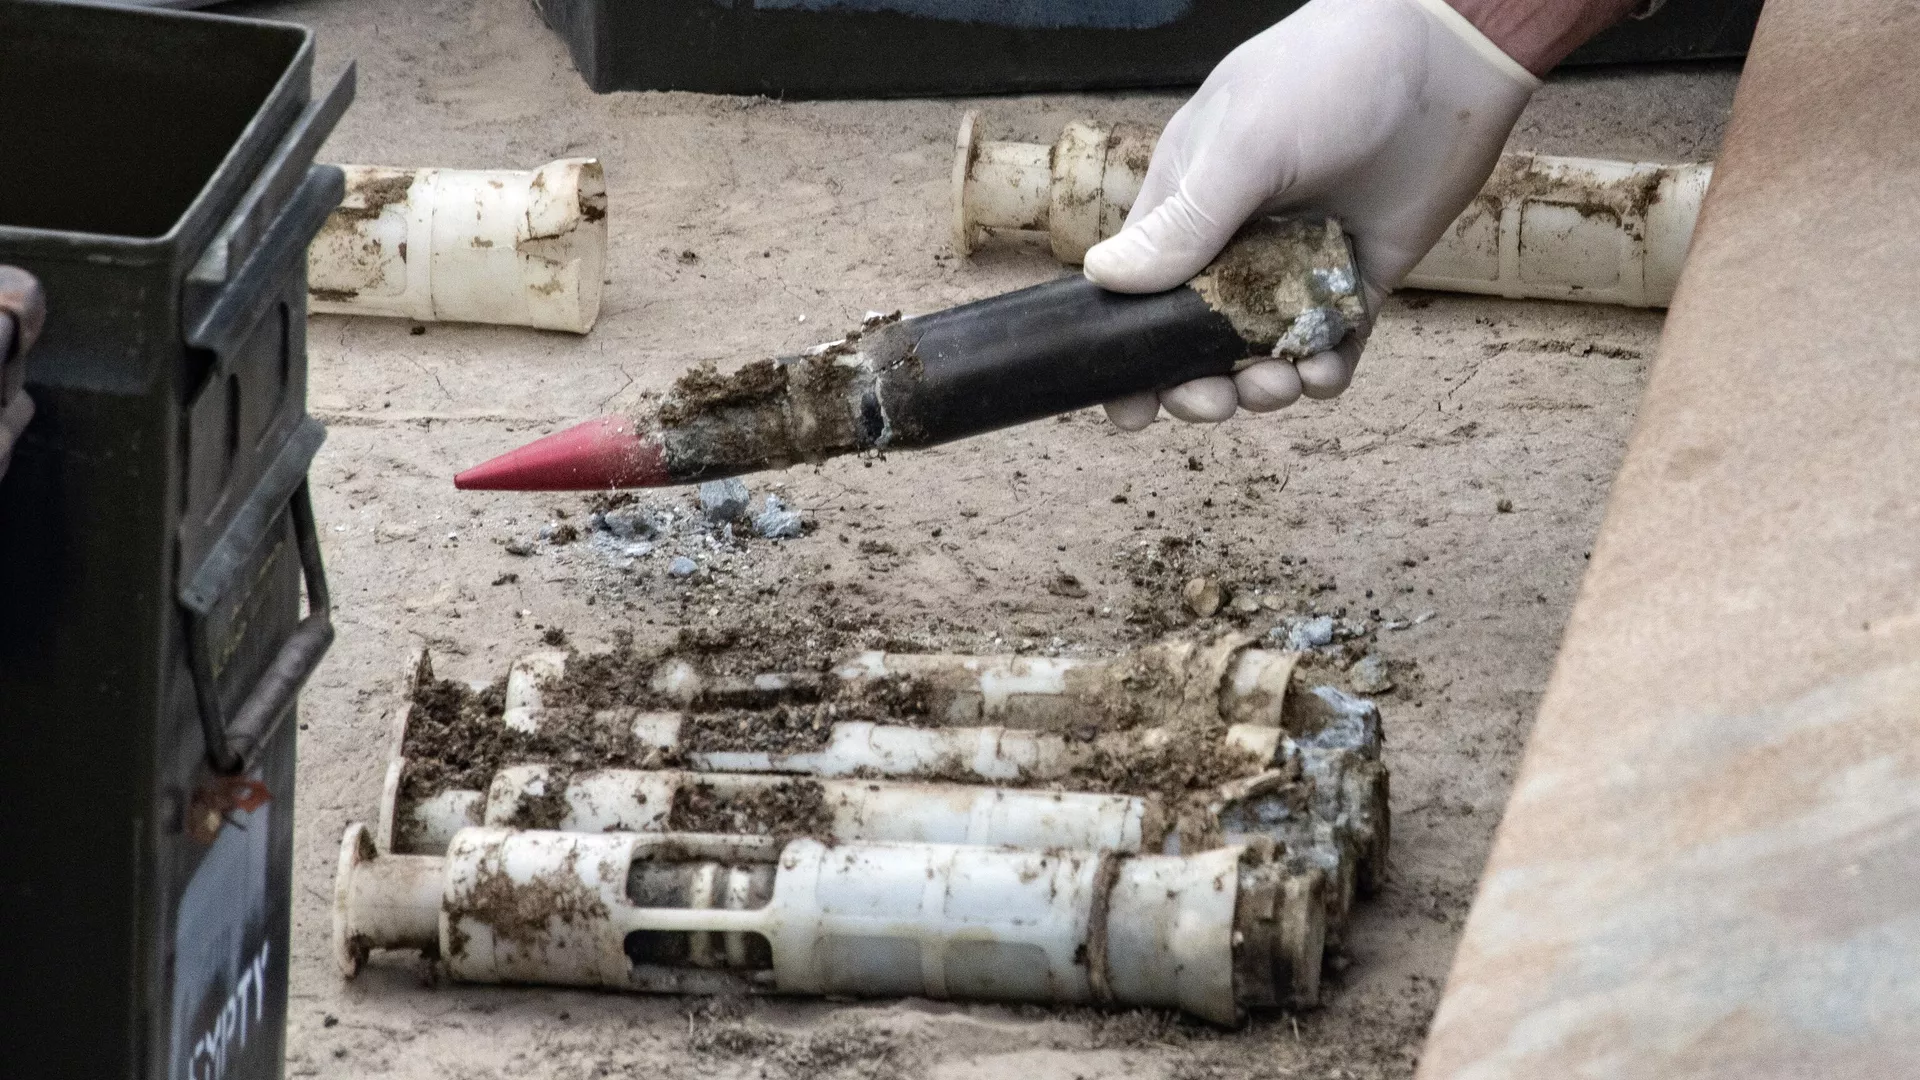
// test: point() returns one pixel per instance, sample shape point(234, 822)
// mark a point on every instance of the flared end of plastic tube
point(964, 148)
point(602, 453)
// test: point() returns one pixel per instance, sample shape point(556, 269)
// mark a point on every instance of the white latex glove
point(1385, 114)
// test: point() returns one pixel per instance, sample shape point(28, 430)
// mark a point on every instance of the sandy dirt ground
point(1462, 476)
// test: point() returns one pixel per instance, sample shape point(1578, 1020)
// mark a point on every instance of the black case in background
point(899, 48)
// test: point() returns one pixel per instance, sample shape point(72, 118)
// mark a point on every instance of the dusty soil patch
point(795, 209)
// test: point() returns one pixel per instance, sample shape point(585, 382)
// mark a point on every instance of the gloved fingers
point(1326, 374)
point(1135, 411)
point(1266, 386)
point(1202, 401)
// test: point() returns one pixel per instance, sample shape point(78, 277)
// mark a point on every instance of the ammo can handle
point(232, 741)
point(259, 717)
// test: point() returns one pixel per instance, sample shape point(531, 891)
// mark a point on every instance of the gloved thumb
point(1173, 242)
point(1197, 193)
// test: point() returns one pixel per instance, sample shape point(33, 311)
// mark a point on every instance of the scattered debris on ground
point(675, 536)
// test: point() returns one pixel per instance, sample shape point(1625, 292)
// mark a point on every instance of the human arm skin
point(1540, 33)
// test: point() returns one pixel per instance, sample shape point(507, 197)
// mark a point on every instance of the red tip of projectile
point(603, 453)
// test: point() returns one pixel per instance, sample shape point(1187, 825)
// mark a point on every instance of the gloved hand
point(1385, 114)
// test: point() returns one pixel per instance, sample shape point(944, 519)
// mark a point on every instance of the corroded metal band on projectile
point(1283, 288)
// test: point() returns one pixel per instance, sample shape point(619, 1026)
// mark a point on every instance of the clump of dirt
point(713, 1010)
point(1178, 770)
point(772, 413)
point(716, 425)
point(761, 640)
point(1520, 177)
point(898, 698)
point(1278, 269)
point(457, 739)
point(787, 809)
point(520, 913)
point(856, 1051)
point(373, 193)
point(783, 729)
point(602, 501)
point(543, 811)
point(734, 1039)
point(1159, 571)
point(594, 682)
point(451, 735)
point(1174, 683)
point(704, 390)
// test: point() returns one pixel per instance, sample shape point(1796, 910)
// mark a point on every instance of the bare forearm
point(1540, 33)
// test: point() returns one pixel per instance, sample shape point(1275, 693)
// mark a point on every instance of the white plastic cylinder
point(383, 901)
point(430, 823)
point(1543, 227)
point(460, 245)
point(859, 811)
point(993, 754)
point(1043, 693)
point(1164, 945)
point(1007, 184)
point(1062, 693)
point(525, 676)
point(933, 920)
point(1563, 228)
point(854, 748)
point(865, 808)
point(1077, 191)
